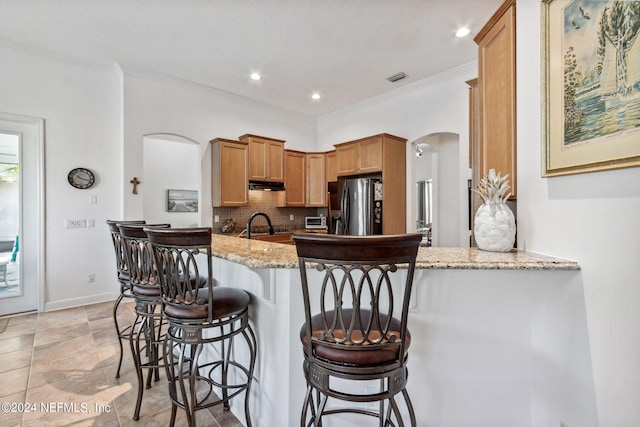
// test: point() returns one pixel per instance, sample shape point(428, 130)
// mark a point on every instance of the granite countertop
point(260, 254)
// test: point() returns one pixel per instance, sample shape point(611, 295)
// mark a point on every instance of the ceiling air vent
point(397, 77)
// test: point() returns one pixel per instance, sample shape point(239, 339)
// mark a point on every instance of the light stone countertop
point(260, 254)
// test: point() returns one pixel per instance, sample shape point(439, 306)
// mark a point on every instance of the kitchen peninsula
point(499, 336)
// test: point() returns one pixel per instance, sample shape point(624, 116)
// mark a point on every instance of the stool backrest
point(116, 238)
point(175, 251)
point(354, 293)
point(137, 253)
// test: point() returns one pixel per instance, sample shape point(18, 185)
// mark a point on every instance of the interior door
point(22, 139)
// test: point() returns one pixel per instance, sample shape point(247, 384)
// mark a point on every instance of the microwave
point(315, 222)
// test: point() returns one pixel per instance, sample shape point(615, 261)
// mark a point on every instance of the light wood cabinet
point(331, 166)
point(359, 157)
point(266, 158)
point(229, 171)
point(294, 194)
point(316, 180)
point(497, 94)
point(386, 154)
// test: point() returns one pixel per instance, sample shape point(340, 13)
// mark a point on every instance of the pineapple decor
point(494, 223)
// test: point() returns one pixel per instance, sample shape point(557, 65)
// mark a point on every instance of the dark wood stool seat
point(356, 354)
point(355, 325)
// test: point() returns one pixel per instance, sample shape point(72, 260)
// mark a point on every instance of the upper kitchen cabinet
point(360, 157)
point(331, 166)
point(316, 180)
point(266, 158)
point(294, 194)
point(229, 171)
point(497, 94)
point(385, 154)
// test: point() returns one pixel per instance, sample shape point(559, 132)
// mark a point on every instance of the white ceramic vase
point(495, 227)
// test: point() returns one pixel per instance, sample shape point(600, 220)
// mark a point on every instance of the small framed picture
point(182, 200)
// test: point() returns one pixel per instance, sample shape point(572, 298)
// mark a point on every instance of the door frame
point(31, 130)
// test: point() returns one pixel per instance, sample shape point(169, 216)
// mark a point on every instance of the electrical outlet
point(216, 218)
point(91, 223)
point(375, 405)
point(93, 200)
point(91, 278)
point(76, 223)
point(291, 217)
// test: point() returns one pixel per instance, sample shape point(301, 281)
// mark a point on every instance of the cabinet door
point(331, 166)
point(347, 159)
point(370, 155)
point(257, 159)
point(294, 178)
point(496, 88)
point(316, 180)
point(230, 163)
point(275, 161)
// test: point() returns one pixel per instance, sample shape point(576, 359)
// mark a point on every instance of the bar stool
point(355, 335)
point(210, 316)
point(146, 334)
point(123, 279)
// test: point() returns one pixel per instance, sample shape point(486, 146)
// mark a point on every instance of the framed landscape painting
point(591, 85)
point(182, 200)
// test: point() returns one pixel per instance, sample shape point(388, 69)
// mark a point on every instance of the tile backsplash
point(264, 201)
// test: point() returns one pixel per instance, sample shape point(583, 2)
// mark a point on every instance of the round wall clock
point(81, 178)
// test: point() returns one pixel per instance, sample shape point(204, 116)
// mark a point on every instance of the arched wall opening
point(170, 162)
point(437, 160)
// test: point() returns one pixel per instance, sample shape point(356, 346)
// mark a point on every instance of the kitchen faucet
point(255, 214)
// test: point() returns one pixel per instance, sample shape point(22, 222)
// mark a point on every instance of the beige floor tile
point(18, 329)
point(15, 360)
point(21, 342)
point(14, 381)
point(23, 318)
point(63, 349)
point(54, 370)
point(62, 333)
point(99, 311)
point(13, 417)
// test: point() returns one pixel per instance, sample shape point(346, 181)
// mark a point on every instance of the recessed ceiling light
point(315, 95)
point(463, 32)
point(255, 76)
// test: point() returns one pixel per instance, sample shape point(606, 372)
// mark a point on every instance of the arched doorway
point(171, 165)
point(437, 160)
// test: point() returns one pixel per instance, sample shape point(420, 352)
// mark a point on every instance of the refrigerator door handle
point(344, 207)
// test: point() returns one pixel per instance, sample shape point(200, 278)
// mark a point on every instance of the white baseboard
point(78, 302)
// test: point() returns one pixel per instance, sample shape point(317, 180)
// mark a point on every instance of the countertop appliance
point(360, 206)
point(315, 222)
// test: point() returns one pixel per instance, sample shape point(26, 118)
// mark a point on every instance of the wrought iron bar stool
point(123, 279)
point(210, 316)
point(146, 336)
point(359, 331)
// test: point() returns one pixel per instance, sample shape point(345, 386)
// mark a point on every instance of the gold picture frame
point(591, 117)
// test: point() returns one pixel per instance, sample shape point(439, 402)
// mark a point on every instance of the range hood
point(266, 186)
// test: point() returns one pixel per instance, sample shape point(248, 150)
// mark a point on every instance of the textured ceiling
point(344, 49)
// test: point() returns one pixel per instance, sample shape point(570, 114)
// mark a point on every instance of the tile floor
point(63, 364)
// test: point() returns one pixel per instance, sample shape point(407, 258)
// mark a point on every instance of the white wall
point(155, 104)
point(79, 104)
point(436, 105)
point(594, 219)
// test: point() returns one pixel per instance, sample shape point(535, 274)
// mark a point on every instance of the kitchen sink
point(285, 238)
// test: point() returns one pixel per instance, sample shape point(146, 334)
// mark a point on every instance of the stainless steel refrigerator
point(360, 206)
